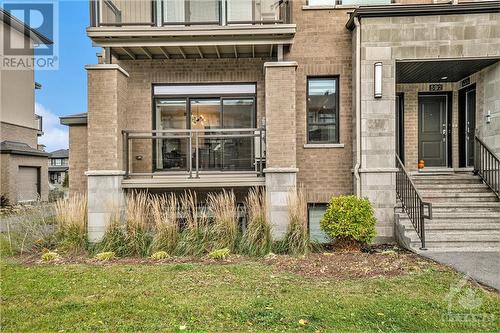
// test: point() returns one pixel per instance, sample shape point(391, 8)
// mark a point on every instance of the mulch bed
point(376, 261)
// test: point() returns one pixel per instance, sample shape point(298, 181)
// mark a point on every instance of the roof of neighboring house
point(36, 36)
point(58, 168)
point(423, 9)
point(61, 153)
point(74, 119)
point(19, 148)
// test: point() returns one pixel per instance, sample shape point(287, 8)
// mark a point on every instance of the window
point(315, 213)
point(204, 108)
point(322, 110)
point(321, 2)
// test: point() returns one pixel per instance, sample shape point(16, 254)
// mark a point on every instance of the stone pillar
point(378, 139)
point(281, 158)
point(107, 90)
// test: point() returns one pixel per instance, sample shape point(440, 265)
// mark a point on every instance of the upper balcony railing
point(157, 13)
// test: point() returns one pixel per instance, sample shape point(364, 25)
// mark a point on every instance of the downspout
point(358, 106)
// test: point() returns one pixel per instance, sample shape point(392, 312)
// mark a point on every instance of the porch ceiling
point(195, 52)
point(436, 70)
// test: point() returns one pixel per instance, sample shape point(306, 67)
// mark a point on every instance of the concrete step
point(443, 225)
point(450, 181)
point(462, 207)
point(453, 187)
point(456, 246)
point(436, 196)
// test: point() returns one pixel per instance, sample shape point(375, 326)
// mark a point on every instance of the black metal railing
point(192, 152)
point(417, 209)
point(487, 165)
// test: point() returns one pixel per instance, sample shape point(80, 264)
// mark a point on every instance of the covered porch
point(440, 107)
point(440, 58)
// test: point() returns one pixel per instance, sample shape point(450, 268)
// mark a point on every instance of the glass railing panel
point(256, 11)
point(191, 12)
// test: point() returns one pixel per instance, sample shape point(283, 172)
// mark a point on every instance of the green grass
point(224, 298)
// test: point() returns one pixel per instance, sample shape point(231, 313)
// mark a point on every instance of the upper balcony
point(142, 29)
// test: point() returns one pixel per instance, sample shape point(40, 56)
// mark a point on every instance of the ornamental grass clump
point(224, 228)
point(296, 240)
point(194, 236)
point(71, 221)
point(159, 255)
point(115, 238)
point(164, 214)
point(137, 210)
point(49, 256)
point(105, 256)
point(349, 220)
point(257, 239)
point(220, 254)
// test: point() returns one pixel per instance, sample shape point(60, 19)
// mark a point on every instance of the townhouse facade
point(58, 166)
point(334, 97)
point(24, 175)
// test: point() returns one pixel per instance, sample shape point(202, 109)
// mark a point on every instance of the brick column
point(107, 91)
point(281, 158)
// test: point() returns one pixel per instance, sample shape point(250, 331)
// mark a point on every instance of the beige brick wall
point(280, 117)
point(10, 165)
point(322, 46)
point(17, 133)
point(107, 98)
point(78, 162)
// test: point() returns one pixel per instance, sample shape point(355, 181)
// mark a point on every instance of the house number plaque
point(435, 87)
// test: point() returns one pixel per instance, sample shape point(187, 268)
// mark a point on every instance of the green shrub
point(194, 237)
point(160, 255)
point(349, 218)
point(105, 256)
point(49, 256)
point(219, 254)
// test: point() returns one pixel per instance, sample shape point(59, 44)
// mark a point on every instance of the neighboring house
point(58, 166)
point(23, 165)
point(321, 94)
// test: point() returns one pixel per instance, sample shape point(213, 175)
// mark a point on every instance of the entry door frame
point(448, 107)
point(463, 118)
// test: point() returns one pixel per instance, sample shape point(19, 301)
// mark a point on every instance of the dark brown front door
point(432, 130)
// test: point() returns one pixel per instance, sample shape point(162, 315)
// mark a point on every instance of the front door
point(467, 125)
point(432, 130)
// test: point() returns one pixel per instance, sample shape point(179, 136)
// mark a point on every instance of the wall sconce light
point(488, 117)
point(138, 157)
point(377, 77)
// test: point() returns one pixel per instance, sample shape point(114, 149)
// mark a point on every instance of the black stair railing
point(417, 209)
point(487, 165)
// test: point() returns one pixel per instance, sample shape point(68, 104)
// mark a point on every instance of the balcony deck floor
point(211, 180)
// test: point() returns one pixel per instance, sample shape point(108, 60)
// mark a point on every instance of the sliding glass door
point(207, 116)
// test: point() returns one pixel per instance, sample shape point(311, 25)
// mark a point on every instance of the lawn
point(245, 295)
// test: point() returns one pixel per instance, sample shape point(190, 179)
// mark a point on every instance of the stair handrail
point(412, 202)
point(487, 165)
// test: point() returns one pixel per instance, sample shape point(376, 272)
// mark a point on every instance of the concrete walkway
point(483, 267)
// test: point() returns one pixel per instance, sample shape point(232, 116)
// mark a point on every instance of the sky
point(64, 91)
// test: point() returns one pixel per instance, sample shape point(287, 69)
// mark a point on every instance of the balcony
point(201, 158)
point(144, 29)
